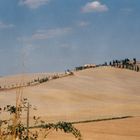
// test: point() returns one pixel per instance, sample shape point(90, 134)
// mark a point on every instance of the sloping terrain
point(19, 79)
point(128, 129)
point(101, 92)
point(92, 93)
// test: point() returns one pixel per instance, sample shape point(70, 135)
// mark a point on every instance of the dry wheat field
point(90, 94)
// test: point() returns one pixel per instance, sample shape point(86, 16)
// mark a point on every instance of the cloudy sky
point(53, 35)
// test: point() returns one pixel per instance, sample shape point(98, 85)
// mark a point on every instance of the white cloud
point(126, 10)
point(94, 6)
point(5, 26)
point(33, 4)
point(46, 34)
point(83, 23)
point(67, 46)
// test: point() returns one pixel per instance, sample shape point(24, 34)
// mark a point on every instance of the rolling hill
point(89, 94)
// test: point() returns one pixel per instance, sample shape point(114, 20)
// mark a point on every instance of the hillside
point(92, 93)
point(95, 93)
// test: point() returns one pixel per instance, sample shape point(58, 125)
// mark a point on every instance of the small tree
point(134, 61)
point(138, 68)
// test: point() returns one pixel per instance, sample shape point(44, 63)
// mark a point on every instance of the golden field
point(90, 94)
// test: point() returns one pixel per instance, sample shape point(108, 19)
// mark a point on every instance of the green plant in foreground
point(15, 129)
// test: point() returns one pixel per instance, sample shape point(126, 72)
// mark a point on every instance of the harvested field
point(90, 94)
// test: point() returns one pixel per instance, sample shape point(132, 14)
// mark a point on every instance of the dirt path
point(125, 129)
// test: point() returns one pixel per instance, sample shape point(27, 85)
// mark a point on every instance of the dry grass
point(89, 94)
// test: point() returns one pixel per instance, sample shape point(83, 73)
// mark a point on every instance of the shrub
point(14, 128)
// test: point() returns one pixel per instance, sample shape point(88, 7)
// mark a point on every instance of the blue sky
point(54, 35)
